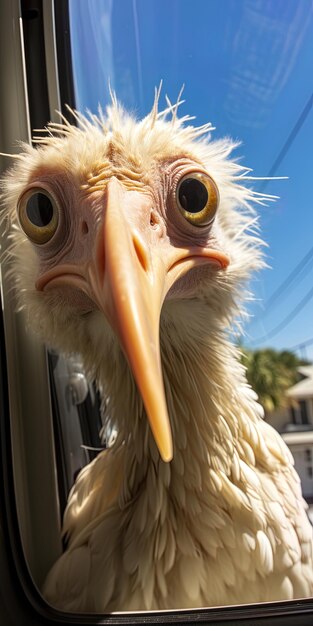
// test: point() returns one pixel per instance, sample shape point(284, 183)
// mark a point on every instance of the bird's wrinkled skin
point(146, 297)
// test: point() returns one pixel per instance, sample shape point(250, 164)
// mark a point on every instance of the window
point(304, 412)
point(299, 412)
point(309, 462)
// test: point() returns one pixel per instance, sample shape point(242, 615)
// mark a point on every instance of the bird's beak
point(134, 273)
point(132, 299)
point(132, 295)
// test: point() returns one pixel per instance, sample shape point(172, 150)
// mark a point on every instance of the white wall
point(303, 456)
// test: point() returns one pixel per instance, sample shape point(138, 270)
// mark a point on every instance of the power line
point(300, 268)
point(287, 319)
point(301, 347)
point(289, 141)
point(308, 342)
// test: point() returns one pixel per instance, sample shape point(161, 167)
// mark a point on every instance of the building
point(300, 444)
point(298, 433)
point(300, 397)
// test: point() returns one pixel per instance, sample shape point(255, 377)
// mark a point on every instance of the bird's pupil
point(39, 209)
point(193, 195)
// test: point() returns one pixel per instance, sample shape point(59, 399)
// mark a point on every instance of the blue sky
point(247, 68)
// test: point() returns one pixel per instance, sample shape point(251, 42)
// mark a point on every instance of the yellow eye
point(197, 198)
point(38, 215)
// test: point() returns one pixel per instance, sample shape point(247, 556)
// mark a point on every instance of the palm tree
point(270, 373)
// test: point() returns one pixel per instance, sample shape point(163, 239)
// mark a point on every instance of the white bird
point(132, 245)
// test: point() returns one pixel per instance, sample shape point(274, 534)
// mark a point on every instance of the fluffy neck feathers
point(212, 410)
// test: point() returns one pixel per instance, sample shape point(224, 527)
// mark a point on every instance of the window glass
point(244, 66)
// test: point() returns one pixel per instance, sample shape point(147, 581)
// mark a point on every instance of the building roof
point(304, 388)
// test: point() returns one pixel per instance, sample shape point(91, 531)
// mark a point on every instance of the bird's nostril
point(153, 220)
point(84, 228)
point(141, 252)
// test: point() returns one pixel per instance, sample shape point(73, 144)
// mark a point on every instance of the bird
point(132, 244)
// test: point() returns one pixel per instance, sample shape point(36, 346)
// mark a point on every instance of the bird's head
point(114, 218)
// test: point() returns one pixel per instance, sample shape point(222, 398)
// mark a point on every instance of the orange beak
point(133, 301)
point(136, 275)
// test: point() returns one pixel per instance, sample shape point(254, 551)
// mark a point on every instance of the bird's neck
point(209, 405)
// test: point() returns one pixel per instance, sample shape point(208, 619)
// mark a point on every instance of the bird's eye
point(197, 198)
point(38, 215)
